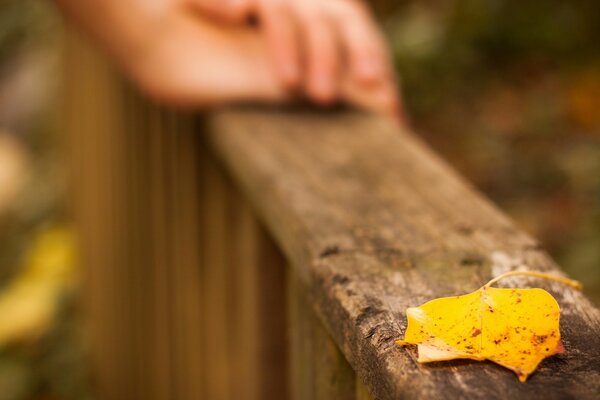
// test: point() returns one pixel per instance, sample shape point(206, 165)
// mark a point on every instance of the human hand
point(315, 44)
point(203, 58)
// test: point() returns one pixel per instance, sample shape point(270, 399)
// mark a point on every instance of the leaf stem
point(570, 282)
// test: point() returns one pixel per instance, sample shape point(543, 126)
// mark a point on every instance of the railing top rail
point(374, 222)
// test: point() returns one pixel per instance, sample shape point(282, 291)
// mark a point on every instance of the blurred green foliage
point(509, 92)
point(22, 23)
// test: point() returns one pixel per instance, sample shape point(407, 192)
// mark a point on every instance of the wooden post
point(318, 368)
point(184, 289)
point(334, 377)
point(244, 281)
point(362, 393)
point(259, 336)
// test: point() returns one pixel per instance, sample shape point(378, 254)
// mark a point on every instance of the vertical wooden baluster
point(244, 280)
point(245, 321)
point(170, 133)
point(159, 249)
point(273, 339)
point(96, 149)
point(139, 192)
point(334, 378)
point(318, 368)
point(215, 225)
point(129, 221)
point(188, 278)
point(171, 232)
point(361, 391)
point(302, 386)
point(259, 336)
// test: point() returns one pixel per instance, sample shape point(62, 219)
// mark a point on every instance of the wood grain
point(374, 222)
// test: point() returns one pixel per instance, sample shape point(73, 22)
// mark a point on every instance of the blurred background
point(507, 91)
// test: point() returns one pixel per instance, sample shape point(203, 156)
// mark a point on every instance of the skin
point(200, 53)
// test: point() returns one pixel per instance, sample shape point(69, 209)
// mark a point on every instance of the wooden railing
point(271, 254)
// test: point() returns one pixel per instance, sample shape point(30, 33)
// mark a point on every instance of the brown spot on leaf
point(538, 339)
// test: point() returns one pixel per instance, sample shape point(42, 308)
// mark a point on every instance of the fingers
point(321, 53)
point(280, 32)
point(328, 50)
point(372, 74)
point(342, 47)
point(363, 44)
point(303, 45)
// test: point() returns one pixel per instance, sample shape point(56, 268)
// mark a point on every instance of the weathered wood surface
point(374, 223)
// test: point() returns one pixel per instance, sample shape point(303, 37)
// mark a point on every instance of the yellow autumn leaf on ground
point(29, 301)
point(516, 328)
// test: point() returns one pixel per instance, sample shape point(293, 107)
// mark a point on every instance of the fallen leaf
point(29, 301)
point(516, 328)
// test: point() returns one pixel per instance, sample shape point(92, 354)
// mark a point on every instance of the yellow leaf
point(516, 328)
point(29, 301)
